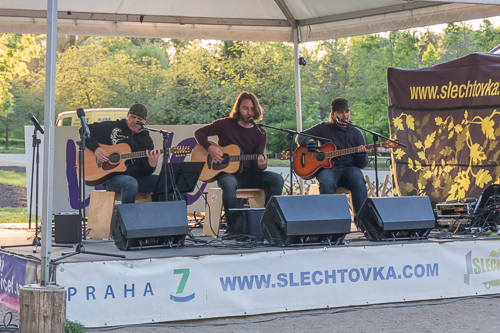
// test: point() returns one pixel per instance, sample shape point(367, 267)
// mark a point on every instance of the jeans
point(128, 186)
point(348, 177)
point(229, 183)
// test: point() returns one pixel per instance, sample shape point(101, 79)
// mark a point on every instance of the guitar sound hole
point(320, 157)
point(114, 158)
point(225, 159)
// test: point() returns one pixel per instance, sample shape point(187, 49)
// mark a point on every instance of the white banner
point(157, 290)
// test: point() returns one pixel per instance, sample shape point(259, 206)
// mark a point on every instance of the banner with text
point(155, 290)
point(448, 116)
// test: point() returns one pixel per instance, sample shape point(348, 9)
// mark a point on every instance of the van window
point(66, 121)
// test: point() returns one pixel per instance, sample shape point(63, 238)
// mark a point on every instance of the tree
point(16, 50)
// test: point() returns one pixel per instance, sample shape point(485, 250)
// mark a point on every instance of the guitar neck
point(251, 157)
point(347, 151)
point(138, 154)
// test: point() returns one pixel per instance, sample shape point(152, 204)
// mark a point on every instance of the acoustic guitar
point(97, 172)
point(307, 165)
point(232, 163)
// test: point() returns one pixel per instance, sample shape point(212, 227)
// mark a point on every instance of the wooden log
point(42, 309)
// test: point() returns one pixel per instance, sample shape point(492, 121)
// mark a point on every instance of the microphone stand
point(166, 136)
point(289, 137)
point(375, 139)
point(80, 248)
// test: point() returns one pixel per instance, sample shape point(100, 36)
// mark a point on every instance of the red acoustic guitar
point(307, 165)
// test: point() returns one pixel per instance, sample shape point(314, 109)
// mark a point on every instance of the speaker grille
point(295, 220)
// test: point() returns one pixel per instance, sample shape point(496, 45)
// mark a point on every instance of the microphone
point(81, 114)
point(35, 122)
point(253, 123)
point(340, 120)
point(137, 122)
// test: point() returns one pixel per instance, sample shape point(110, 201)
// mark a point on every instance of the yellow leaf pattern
point(446, 153)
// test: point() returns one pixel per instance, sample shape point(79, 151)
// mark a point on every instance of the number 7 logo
point(182, 285)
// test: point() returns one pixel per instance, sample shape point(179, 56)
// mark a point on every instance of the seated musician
point(139, 176)
point(237, 129)
point(347, 172)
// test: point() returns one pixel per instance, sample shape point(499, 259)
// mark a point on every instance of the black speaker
point(149, 225)
point(395, 218)
point(67, 228)
point(246, 221)
point(300, 219)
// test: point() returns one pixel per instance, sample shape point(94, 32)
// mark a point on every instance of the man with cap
point(347, 169)
point(139, 175)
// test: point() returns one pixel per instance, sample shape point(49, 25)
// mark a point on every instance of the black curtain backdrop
point(448, 115)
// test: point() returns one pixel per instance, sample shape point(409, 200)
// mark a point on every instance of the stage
point(211, 278)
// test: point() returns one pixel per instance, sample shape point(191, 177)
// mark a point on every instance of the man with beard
point(139, 176)
point(238, 129)
point(347, 172)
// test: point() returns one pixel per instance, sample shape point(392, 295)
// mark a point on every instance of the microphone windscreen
point(30, 115)
point(80, 113)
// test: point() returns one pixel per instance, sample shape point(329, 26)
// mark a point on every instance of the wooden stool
point(140, 198)
point(314, 190)
point(101, 207)
point(213, 209)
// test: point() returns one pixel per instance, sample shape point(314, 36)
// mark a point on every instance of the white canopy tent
point(253, 20)
point(294, 21)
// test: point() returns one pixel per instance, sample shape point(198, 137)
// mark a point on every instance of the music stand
point(183, 176)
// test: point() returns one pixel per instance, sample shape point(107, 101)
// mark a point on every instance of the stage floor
point(195, 246)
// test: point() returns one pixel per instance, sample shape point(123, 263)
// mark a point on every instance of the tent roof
point(257, 20)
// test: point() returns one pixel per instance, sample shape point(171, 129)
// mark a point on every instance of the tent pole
point(298, 101)
point(48, 158)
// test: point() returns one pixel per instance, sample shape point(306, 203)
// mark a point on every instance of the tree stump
point(42, 309)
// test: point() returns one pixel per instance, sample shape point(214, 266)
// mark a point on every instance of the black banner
point(448, 115)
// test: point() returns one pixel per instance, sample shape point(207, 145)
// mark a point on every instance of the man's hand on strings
point(153, 156)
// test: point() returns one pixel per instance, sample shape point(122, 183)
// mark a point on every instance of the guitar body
point(96, 172)
point(212, 170)
point(307, 165)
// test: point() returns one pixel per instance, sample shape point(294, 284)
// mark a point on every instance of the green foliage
point(74, 327)
point(13, 142)
point(13, 178)
point(14, 215)
point(12, 151)
point(194, 82)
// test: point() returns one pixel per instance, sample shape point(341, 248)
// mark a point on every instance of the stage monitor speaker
point(149, 225)
point(300, 219)
point(246, 221)
point(396, 218)
point(67, 227)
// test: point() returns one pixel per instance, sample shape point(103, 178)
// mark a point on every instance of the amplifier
point(452, 210)
point(67, 228)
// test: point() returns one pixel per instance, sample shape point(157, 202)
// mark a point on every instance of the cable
point(8, 327)
point(298, 315)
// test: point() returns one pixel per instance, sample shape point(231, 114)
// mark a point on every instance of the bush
point(74, 327)
point(12, 142)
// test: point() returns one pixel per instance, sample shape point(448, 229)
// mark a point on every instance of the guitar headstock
point(284, 155)
point(180, 150)
point(390, 144)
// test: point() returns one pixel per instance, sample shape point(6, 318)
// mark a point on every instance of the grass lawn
point(15, 215)
point(13, 178)
point(12, 151)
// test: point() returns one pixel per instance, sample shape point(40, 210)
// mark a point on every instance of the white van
point(69, 118)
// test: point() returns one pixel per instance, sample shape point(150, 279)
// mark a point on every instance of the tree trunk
point(43, 309)
point(6, 135)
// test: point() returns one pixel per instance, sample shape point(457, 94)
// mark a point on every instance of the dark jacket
point(114, 132)
point(342, 137)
